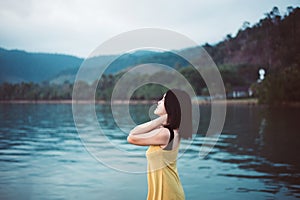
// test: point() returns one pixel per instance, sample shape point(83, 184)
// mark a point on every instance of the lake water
point(42, 157)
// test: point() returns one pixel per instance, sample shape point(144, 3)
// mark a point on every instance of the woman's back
point(163, 179)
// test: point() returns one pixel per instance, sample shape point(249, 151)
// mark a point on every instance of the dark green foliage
point(194, 78)
point(149, 92)
point(281, 87)
point(33, 91)
point(273, 43)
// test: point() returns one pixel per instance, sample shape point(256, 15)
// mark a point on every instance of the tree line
point(276, 88)
point(232, 77)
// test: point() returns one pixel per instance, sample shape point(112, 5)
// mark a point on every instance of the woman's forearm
point(149, 126)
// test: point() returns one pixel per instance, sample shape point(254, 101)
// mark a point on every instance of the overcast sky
point(77, 27)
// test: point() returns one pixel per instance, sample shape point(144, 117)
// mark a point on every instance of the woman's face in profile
point(160, 109)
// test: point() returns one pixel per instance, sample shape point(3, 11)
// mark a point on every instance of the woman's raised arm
point(149, 126)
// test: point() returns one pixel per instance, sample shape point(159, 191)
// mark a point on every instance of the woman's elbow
point(130, 139)
point(133, 140)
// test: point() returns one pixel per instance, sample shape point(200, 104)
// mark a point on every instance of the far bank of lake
point(70, 101)
point(248, 101)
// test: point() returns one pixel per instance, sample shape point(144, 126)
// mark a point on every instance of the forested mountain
point(18, 66)
point(273, 44)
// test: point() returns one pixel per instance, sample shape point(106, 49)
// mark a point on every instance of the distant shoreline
point(247, 102)
point(69, 101)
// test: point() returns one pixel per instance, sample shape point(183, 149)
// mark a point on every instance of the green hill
point(272, 43)
point(18, 66)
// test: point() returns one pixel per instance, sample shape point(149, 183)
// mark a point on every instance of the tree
point(281, 87)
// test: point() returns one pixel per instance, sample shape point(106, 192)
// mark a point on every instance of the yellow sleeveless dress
point(163, 179)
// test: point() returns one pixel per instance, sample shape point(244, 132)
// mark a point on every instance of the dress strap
point(170, 143)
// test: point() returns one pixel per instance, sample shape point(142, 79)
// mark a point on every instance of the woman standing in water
point(163, 135)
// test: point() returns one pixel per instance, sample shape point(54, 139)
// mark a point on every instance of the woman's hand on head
point(159, 136)
point(149, 126)
point(150, 133)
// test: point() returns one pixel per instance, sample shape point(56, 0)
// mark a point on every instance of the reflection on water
point(42, 156)
point(266, 143)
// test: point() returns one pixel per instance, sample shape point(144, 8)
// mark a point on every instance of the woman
point(163, 135)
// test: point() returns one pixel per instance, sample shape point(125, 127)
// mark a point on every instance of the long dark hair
point(179, 109)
